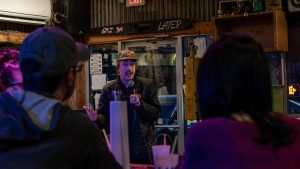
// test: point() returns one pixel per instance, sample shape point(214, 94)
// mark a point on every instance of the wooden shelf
point(268, 28)
point(12, 37)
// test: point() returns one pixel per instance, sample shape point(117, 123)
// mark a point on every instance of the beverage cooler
point(293, 78)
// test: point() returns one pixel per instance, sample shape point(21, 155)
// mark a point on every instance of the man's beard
point(69, 92)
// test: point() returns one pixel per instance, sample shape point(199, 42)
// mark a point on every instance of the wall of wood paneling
point(113, 12)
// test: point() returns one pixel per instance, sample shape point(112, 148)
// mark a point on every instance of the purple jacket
point(220, 143)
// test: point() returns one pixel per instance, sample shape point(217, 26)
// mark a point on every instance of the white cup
point(162, 150)
point(166, 161)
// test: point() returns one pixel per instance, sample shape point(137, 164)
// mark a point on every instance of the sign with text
point(161, 26)
point(130, 3)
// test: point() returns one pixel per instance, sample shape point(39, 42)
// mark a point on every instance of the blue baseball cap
point(53, 49)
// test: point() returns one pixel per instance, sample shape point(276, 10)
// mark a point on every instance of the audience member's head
point(35, 124)
point(49, 57)
point(234, 78)
point(10, 74)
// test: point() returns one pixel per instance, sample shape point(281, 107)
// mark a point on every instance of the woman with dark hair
point(10, 74)
point(238, 128)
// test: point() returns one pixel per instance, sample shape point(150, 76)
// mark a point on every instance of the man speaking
point(142, 107)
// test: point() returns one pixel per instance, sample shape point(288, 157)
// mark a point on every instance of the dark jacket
point(39, 132)
point(140, 119)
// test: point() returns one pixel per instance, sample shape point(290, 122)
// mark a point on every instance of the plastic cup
point(162, 150)
point(166, 161)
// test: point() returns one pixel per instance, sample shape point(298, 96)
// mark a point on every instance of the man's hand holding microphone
point(134, 98)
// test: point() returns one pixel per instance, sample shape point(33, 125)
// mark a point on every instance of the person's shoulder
point(110, 85)
point(78, 126)
point(213, 125)
point(76, 119)
point(287, 117)
point(212, 122)
point(290, 119)
point(145, 81)
point(213, 129)
point(3, 104)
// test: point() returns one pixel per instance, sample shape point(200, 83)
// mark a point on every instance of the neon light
point(292, 90)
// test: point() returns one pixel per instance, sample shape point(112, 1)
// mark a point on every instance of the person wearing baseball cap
point(37, 130)
point(142, 107)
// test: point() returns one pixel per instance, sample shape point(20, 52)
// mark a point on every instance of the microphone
point(131, 86)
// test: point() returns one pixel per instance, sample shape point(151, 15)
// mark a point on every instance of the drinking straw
point(106, 139)
point(174, 145)
point(165, 139)
point(173, 149)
